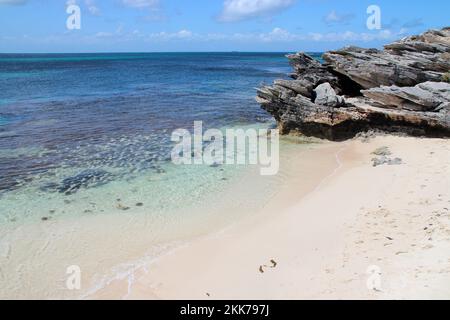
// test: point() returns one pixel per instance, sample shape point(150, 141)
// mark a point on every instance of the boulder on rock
point(326, 96)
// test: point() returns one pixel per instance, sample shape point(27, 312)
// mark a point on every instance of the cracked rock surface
point(399, 89)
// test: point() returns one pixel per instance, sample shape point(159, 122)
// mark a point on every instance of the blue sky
point(211, 25)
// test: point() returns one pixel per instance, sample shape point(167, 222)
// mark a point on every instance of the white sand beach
point(338, 228)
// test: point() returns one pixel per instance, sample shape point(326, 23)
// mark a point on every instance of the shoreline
point(119, 288)
point(320, 244)
point(329, 216)
point(109, 243)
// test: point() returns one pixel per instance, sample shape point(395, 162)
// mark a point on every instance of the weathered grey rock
point(427, 96)
point(326, 96)
point(383, 160)
point(407, 62)
point(309, 73)
point(371, 68)
point(303, 62)
point(303, 86)
point(432, 41)
point(441, 89)
point(383, 151)
point(403, 90)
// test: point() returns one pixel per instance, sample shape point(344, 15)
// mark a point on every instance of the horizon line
point(149, 52)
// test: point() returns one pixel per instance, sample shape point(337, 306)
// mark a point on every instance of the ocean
point(85, 168)
point(118, 110)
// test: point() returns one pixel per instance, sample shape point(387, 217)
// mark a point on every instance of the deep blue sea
point(117, 110)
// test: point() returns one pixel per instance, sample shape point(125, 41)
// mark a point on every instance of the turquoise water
point(117, 111)
point(85, 170)
point(114, 113)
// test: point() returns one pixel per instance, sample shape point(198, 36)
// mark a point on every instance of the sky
point(211, 25)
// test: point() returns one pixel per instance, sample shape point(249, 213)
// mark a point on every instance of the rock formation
point(401, 88)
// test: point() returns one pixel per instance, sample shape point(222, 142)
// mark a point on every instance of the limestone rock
point(326, 96)
point(396, 89)
point(428, 96)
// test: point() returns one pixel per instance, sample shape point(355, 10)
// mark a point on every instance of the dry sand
point(339, 228)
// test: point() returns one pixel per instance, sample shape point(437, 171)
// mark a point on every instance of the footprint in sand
point(273, 265)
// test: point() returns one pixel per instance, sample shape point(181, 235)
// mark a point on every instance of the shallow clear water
point(61, 114)
point(118, 110)
point(110, 117)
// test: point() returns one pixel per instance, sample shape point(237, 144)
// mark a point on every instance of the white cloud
point(335, 18)
point(165, 36)
point(13, 2)
point(276, 35)
point(102, 34)
point(155, 13)
point(349, 36)
point(141, 3)
point(92, 7)
point(279, 34)
point(184, 34)
point(237, 10)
